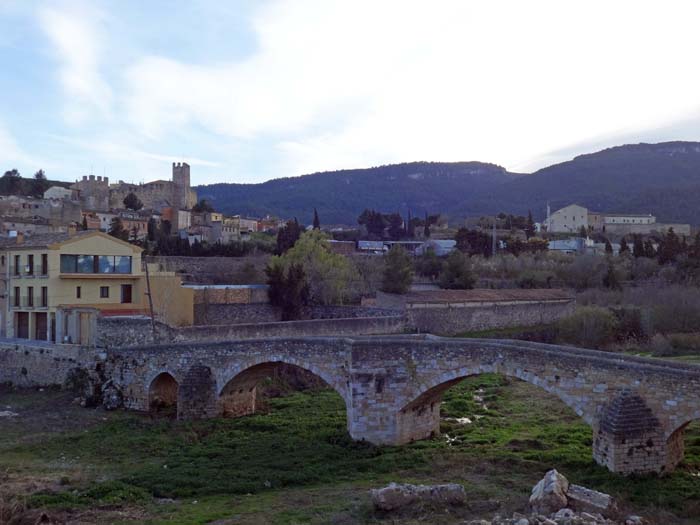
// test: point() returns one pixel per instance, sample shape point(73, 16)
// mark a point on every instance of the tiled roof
point(40, 240)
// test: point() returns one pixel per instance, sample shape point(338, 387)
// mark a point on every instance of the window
point(2, 260)
point(104, 292)
point(30, 296)
point(30, 264)
point(17, 264)
point(126, 293)
point(44, 296)
point(95, 264)
point(16, 301)
point(44, 264)
point(77, 292)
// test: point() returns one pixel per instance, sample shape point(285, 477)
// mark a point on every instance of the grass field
point(296, 464)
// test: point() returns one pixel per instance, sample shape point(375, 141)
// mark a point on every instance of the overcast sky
point(249, 90)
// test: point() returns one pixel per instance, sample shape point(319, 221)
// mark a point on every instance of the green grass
point(296, 463)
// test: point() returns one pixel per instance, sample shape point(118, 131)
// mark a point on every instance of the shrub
point(589, 326)
point(535, 279)
point(456, 273)
point(398, 271)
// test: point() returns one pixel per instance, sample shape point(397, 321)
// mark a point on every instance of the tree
point(638, 246)
point(395, 226)
point(203, 206)
point(426, 228)
point(166, 228)
point(11, 182)
point(608, 247)
point(669, 248)
point(623, 246)
point(288, 235)
point(398, 272)
point(611, 280)
point(374, 222)
point(330, 277)
point(649, 250)
point(39, 184)
point(85, 223)
point(456, 273)
point(410, 227)
point(583, 232)
point(116, 229)
point(473, 242)
point(428, 264)
point(152, 226)
point(132, 202)
point(530, 227)
point(317, 222)
point(288, 289)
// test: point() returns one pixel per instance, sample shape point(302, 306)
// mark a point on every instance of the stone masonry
point(393, 385)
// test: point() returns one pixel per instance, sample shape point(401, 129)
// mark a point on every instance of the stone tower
point(181, 179)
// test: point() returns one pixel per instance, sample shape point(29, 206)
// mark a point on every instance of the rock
point(549, 495)
point(398, 495)
point(582, 499)
point(523, 521)
point(564, 514)
point(634, 520)
point(112, 397)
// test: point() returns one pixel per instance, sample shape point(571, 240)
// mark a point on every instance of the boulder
point(549, 495)
point(582, 499)
point(399, 495)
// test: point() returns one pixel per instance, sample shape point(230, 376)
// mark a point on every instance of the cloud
point(337, 84)
point(74, 33)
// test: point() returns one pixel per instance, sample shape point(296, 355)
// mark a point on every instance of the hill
point(662, 179)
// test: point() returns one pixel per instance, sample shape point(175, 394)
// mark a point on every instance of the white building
point(568, 219)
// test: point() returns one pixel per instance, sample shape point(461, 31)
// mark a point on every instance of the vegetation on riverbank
point(296, 463)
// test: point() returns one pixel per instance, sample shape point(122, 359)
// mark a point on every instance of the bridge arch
point(419, 417)
point(237, 395)
point(162, 392)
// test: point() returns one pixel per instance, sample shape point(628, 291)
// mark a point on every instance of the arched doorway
point(162, 395)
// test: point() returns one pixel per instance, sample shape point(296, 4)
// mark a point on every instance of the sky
point(251, 90)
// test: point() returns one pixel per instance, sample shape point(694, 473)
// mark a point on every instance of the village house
point(46, 276)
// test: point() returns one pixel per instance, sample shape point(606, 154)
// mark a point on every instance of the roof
point(487, 295)
point(54, 240)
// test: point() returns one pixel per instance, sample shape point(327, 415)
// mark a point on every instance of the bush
point(535, 279)
point(398, 271)
point(589, 326)
point(456, 273)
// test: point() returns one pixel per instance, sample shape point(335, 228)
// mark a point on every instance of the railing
point(26, 271)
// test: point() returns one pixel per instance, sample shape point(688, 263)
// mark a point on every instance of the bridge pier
point(630, 439)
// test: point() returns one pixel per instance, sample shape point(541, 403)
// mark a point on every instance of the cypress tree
point(426, 228)
point(317, 222)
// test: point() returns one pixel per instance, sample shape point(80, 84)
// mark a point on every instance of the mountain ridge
point(664, 177)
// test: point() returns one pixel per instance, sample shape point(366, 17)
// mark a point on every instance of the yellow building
point(45, 276)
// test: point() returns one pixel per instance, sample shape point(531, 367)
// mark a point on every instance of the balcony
point(27, 272)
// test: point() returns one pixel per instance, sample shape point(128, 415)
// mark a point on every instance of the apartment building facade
point(44, 276)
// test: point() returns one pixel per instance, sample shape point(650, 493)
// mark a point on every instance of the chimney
point(20, 237)
point(72, 229)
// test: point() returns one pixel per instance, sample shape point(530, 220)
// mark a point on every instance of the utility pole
point(493, 238)
point(150, 302)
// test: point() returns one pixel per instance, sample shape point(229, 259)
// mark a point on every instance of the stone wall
point(215, 314)
point(211, 270)
point(449, 319)
point(37, 364)
point(115, 332)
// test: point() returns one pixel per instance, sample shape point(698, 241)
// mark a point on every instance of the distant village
point(99, 249)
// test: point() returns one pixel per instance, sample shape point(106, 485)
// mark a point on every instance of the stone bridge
point(392, 386)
